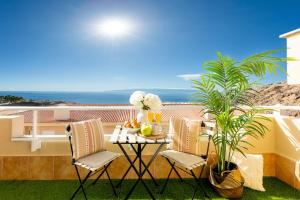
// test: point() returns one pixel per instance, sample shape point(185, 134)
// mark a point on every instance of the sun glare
point(115, 28)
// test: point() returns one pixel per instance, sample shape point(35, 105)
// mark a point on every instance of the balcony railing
point(39, 124)
point(36, 125)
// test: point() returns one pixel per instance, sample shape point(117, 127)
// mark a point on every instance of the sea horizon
point(120, 96)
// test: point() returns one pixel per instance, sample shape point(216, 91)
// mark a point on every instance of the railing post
point(35, 143)
point(276, 111)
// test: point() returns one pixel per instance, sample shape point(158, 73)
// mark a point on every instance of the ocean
point(106, 97)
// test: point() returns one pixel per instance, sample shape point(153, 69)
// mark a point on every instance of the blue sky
point(51, 45)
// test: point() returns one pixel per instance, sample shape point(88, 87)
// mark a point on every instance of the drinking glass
point(158, 117)
point(150, 116)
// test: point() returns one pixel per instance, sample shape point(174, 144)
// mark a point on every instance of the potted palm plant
point(227, 92)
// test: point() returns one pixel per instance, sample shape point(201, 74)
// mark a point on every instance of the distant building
point(293, 50)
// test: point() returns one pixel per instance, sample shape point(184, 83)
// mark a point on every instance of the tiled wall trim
point(60, 168)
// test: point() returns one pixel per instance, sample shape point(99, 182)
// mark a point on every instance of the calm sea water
point(107, 97)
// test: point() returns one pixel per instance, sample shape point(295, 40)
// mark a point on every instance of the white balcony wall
point(293, 51)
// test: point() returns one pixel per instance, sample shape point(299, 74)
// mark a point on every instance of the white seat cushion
point(189, 161)
point(97, 160)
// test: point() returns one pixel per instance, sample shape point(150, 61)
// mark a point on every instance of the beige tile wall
point(285, 171)
point(60, 168)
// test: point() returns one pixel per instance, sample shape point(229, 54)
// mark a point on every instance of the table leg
point(133, 167)
point(139, 151)
point(152, 158)
point(122, 179)
point(143, 163)
point(140, 172)
point(147, 167)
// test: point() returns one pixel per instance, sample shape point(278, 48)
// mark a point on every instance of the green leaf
point(227, 92)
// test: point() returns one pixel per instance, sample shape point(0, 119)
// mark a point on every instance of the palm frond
point(262, 63)
point(227, 93)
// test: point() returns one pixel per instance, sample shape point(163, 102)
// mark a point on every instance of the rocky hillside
point(279, 93)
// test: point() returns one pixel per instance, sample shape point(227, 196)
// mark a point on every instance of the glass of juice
point(158, 117)
point(150, 116)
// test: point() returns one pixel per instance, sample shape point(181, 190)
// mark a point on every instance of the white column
point(36, 143)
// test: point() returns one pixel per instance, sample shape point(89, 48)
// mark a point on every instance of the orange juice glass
point(150, 116)
point(158, 117)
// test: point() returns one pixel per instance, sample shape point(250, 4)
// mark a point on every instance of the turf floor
point(59, 190)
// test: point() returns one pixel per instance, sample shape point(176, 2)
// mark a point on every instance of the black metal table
point(121, 137)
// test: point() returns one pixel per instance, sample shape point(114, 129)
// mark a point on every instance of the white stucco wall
point(293, 51)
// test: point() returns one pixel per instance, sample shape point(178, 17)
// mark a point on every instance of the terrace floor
point(27, 190)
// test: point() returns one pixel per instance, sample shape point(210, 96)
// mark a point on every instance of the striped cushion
point(87, 137)
point(185, 135)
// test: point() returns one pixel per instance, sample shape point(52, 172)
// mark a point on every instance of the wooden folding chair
point(184, 153)
point(87, 147)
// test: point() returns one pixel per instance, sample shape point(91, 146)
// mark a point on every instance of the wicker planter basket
point(232, 184)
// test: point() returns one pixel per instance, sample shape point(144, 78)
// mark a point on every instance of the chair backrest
point(86, 137)
point(186, 135)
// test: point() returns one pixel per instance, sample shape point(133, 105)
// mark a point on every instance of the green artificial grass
point(59, 190)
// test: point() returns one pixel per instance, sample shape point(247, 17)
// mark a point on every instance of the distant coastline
point(36, 98)
point(271, 94)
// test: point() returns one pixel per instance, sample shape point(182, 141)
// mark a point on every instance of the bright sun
point(115, 28)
